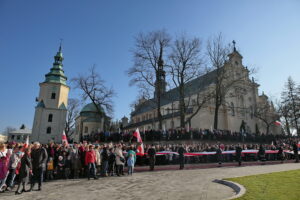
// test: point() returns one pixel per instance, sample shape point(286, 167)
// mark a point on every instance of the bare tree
point(185, 66)
point(147, 72)
point(8, 129)
point(93, 88)
point(225, 74)
point(265, 113)
point(72, 113)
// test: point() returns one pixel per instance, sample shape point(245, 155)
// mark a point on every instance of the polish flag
point(64, 138)
point(140, 149)
point(277, 123)
point(27, 142)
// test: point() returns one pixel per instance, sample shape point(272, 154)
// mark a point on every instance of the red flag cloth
point(277, 123)
point(140, 148)
point(26, 143)
point(64, 138)
point(138, 135)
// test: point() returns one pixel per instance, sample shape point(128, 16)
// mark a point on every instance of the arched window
point(50, 117)
point(48, 130)
point(86, 129)
point(251, 112)
point(232, 109)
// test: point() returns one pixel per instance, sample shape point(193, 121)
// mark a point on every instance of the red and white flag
point(140, 148)
point(64, 138)
point(26, 142)
point(277, 123)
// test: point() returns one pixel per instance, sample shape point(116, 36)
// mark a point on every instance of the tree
point(266, 114)
point(147, 72)
point(72, 113)
point(8, 129)
point(227, 76)
point(217, 55)
point(185, 66)
point(285, 113)
point(93, 88)
point(290, 98)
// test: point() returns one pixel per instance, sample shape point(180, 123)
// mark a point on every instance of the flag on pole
point(64, 138)
point(140, 148)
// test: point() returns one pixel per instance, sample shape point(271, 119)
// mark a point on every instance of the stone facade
point(50, 112)
point(241, 102)
point(89, 122)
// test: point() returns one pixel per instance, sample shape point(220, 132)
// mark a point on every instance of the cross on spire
point(60, 44)
point(233, 42)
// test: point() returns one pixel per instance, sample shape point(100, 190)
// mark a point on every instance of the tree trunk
point(217, 106)
point(182, 106)
point(268, 129)
point(287, 126)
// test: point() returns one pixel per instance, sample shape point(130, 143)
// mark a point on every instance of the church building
point(239, 106)
point(51, 109)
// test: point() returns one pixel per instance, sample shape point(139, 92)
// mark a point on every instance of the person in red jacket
point(90, 162)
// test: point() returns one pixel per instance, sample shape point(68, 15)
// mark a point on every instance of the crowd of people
point(26, 165)
point(183, 134)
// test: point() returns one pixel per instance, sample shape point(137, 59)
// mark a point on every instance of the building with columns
point(242, 99)
point(51, 109)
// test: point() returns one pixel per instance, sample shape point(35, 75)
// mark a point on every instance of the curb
point(238, 189)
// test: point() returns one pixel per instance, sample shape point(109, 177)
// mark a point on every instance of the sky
point(101, 33)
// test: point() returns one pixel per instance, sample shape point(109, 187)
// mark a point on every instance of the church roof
point(192, 87)
point(90, 108)
point(41, 104)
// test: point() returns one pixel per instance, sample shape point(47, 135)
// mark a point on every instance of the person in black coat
point(181, 152)
point(262, 153)
point(295, 149)
point(25, 171)
point(151, 153)
point(39, 159)
point(219, 155)
point(238, 154)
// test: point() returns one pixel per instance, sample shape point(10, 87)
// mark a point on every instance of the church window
point(232, 109)
point(53, 95)
point(236, 63)
point(251, 112)
point(12, 137)
point(50, 117)
point(48, 130)
point(86, 129)
point(18, 137)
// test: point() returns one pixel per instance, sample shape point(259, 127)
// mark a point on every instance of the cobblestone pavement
point(175, 185)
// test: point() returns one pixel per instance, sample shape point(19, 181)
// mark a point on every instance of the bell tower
point(51, 109)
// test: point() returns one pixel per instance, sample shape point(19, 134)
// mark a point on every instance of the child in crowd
point(50, 168)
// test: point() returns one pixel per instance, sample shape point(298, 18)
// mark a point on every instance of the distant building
point(89, 122)
point(50, 112)
point(3, 138)
point(19, 135)
point(241, 102)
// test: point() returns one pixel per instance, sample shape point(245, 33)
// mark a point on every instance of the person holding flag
point(64, 139)
point(140, 148)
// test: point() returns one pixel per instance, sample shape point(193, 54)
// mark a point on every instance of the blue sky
point(102, 33)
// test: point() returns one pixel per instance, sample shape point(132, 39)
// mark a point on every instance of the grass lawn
point(273, 186)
